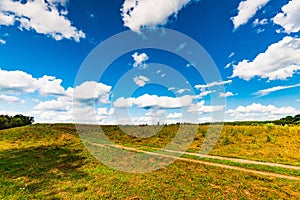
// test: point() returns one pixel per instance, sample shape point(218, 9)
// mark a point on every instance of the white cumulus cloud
point(54, 105)
point(6, 19)
point(154, 101)
point(201, 108)
point(141, 80)
point(21, 82)
point(280, 61)
point(140, 59)
point(246, 10)
point(9, 99)
point(289, 18)
point(153, 113)
point(174, 115)
point(226, 94)
point(40, 16)
point(91, 90)
point(150, 13)
point(257, 111)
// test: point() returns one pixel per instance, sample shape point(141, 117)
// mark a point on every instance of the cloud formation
point(280, 61)
point(181, 91)
point(212, 84)
point(40, 16)
point(140, 59)
point(289, 18)
point(200, 108)
point(174, 116)
point(265, 92)
point(141, 80)
point(9, 99)
point(90, 91)
point(154, 101)
point(246, 10)
point(19, 82)
point(227, 94)
point(257, 111)
point(2, 41)
point(137, 14)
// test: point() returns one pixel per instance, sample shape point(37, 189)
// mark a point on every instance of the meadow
point(49, 161)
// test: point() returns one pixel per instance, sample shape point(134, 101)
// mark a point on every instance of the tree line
point(14, 121)
point(288, 120)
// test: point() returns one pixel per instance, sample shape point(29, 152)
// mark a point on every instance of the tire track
point(224, 166)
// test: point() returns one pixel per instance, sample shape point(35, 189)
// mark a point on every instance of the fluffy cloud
point(152, 113)
point(54, 105)
point(62, 110)
point(246, 10)
point(140, 80)
point(280, 61)
point(51, 116)
point(137, 120)
point(59, 109)
point(19, 81)
point(212, 84)
point(49, 85)
point(200, 108)
point(289, 19)
point(91, 90)
point(6, 19)
point(174, 116)
point(227, 94)
point(258, 111)
point(274, 89)
point(105, 111)
point(140, 59)
point(40, 16)
point(150, 13)
point(9, 99)
point(154, 101)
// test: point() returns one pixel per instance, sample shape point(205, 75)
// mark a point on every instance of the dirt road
point(264, 173)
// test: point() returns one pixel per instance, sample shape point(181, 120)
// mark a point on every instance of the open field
point(49, 162)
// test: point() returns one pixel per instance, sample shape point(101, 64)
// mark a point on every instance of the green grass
point(264, 168)
point(281, 144)
point(49, 162)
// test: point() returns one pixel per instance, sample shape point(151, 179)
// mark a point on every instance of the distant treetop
point(15, 121)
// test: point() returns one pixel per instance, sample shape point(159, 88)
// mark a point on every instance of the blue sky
point(254, 44)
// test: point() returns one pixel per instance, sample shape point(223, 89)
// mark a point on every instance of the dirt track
point(276, 175)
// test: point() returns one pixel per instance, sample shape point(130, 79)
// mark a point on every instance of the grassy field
point(49, 162)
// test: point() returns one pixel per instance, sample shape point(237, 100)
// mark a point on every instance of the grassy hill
point(46, 161)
